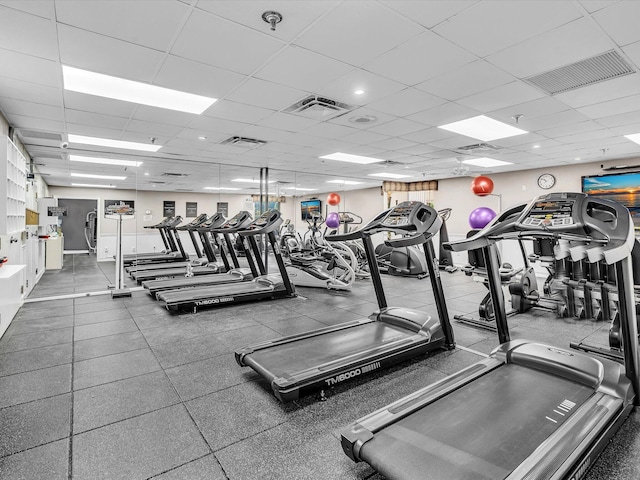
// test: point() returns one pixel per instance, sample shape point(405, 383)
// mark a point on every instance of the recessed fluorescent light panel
point(299, 188)
point(486, 162)
point(105, 161)
point(103, 177)
point(249, 180)
point(220, 188)
point(89, 185)
point(634, 138)
point(483, 128)
point(347, 157)
point(91, 83)
point(107, 142)
point(345, 182)
point(389, 175)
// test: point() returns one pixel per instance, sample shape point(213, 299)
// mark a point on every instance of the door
point(74, 222)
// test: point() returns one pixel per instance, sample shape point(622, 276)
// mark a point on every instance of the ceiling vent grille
point(42, 135)
point(243, 142)
point(580, 74)
point(478, 147)
point(172, 174)
point(318, 108)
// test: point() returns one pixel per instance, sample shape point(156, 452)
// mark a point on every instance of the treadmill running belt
point(475, 432)
point(321, 351)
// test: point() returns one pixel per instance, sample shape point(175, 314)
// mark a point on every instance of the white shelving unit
point(13, 188)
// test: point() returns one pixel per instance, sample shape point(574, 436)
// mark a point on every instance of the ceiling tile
point(443, 114)
point(398, 127)
point(602, 92)
point(365, 137)
point(303, 69)
point(374, 86)
point(429, 135)
point(31, 109)
point(41, 8)
point(351, 32)
point(109, 56)
point(201, 80)
point(265, 94)
point(302, 140)
point(623, 119)
point(19, 90)
point(163, 115)
point(490, 26)
point(95, 119)
point(406, 102)
point(562, 46)
point(539, 124)
point(221, 43)
point(296, 16)
point(287, 121)
point(19, 66)
point(217, 125)
point(513, 93)
point(431, 13)
point(100, 105)
point(633, 52)
point(620, 21)
point(346, 120)
point(329, 130)
point(437, 56)
point(573, 128)
point(393, 144)
point(612, 107)
point(155, 130)
point(528, 110)
point(33, 123)
point(41, 40)
point(148, 24)
point(241, 112)
point(466, 80)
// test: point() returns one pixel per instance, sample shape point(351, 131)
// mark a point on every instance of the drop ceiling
point(419, 64)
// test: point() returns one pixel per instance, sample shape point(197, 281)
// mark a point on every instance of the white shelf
point(12, 188)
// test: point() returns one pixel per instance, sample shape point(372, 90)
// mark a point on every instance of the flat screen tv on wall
point(308, 207)
point(623, 188)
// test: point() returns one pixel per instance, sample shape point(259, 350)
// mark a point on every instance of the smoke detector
point(318, 108)
point(362, 119)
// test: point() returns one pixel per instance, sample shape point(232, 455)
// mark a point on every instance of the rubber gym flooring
point(101, 388)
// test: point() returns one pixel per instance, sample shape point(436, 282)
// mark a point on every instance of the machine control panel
point(236, 220)
point(550, 214)
point(406, 214)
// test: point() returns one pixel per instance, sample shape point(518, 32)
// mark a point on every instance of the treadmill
point(171, 248)
point(298, 364)
point(177, 254)
point(190, 228)
point(236, 274)
point(530, 410)
point(264, 286)
point(184, 269)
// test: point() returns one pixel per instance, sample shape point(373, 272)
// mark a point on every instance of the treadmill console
point(552, 213)
point(410, 217)
point(265, 223)
point(236, 220)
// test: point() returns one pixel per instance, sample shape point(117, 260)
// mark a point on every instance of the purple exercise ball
point(333, 220)
point(480, 217)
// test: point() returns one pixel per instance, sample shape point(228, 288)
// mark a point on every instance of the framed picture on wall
point(223, 208)
point(192, 209)
point(168, 208)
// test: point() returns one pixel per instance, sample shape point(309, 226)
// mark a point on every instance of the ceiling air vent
point(172, 174)
point(243, 142)
point(478, 147)
point(318, 108)
point(580, 74)
point(42, 135)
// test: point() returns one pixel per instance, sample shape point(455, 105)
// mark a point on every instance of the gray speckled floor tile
point(35, 423)
point(103, 316)
point(27, 341)
point(205, 468)
point(139, 447)
point(109, 345)
point(207, 376)
point(89, 373)
point(103, 329)
point(97, 406)
point(47, 462)
point(33, 385)
point(42, 324)
point(224, 420)
point(106, 304)
point(43, 312)
point(34, 359)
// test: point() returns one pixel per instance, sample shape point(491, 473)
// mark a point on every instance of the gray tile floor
point(95, 387)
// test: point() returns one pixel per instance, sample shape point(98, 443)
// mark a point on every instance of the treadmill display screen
point(550, 213)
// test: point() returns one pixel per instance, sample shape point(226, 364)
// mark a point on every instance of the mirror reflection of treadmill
point(198, 268)
point(530, 410)
point(206, 276)
point(299, 364)
point(264, 286)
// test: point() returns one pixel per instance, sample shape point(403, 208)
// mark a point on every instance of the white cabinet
point(54, 253)
point(10, 293)
point(13, 179)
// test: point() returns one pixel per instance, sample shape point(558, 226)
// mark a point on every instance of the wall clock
point(546, 181)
